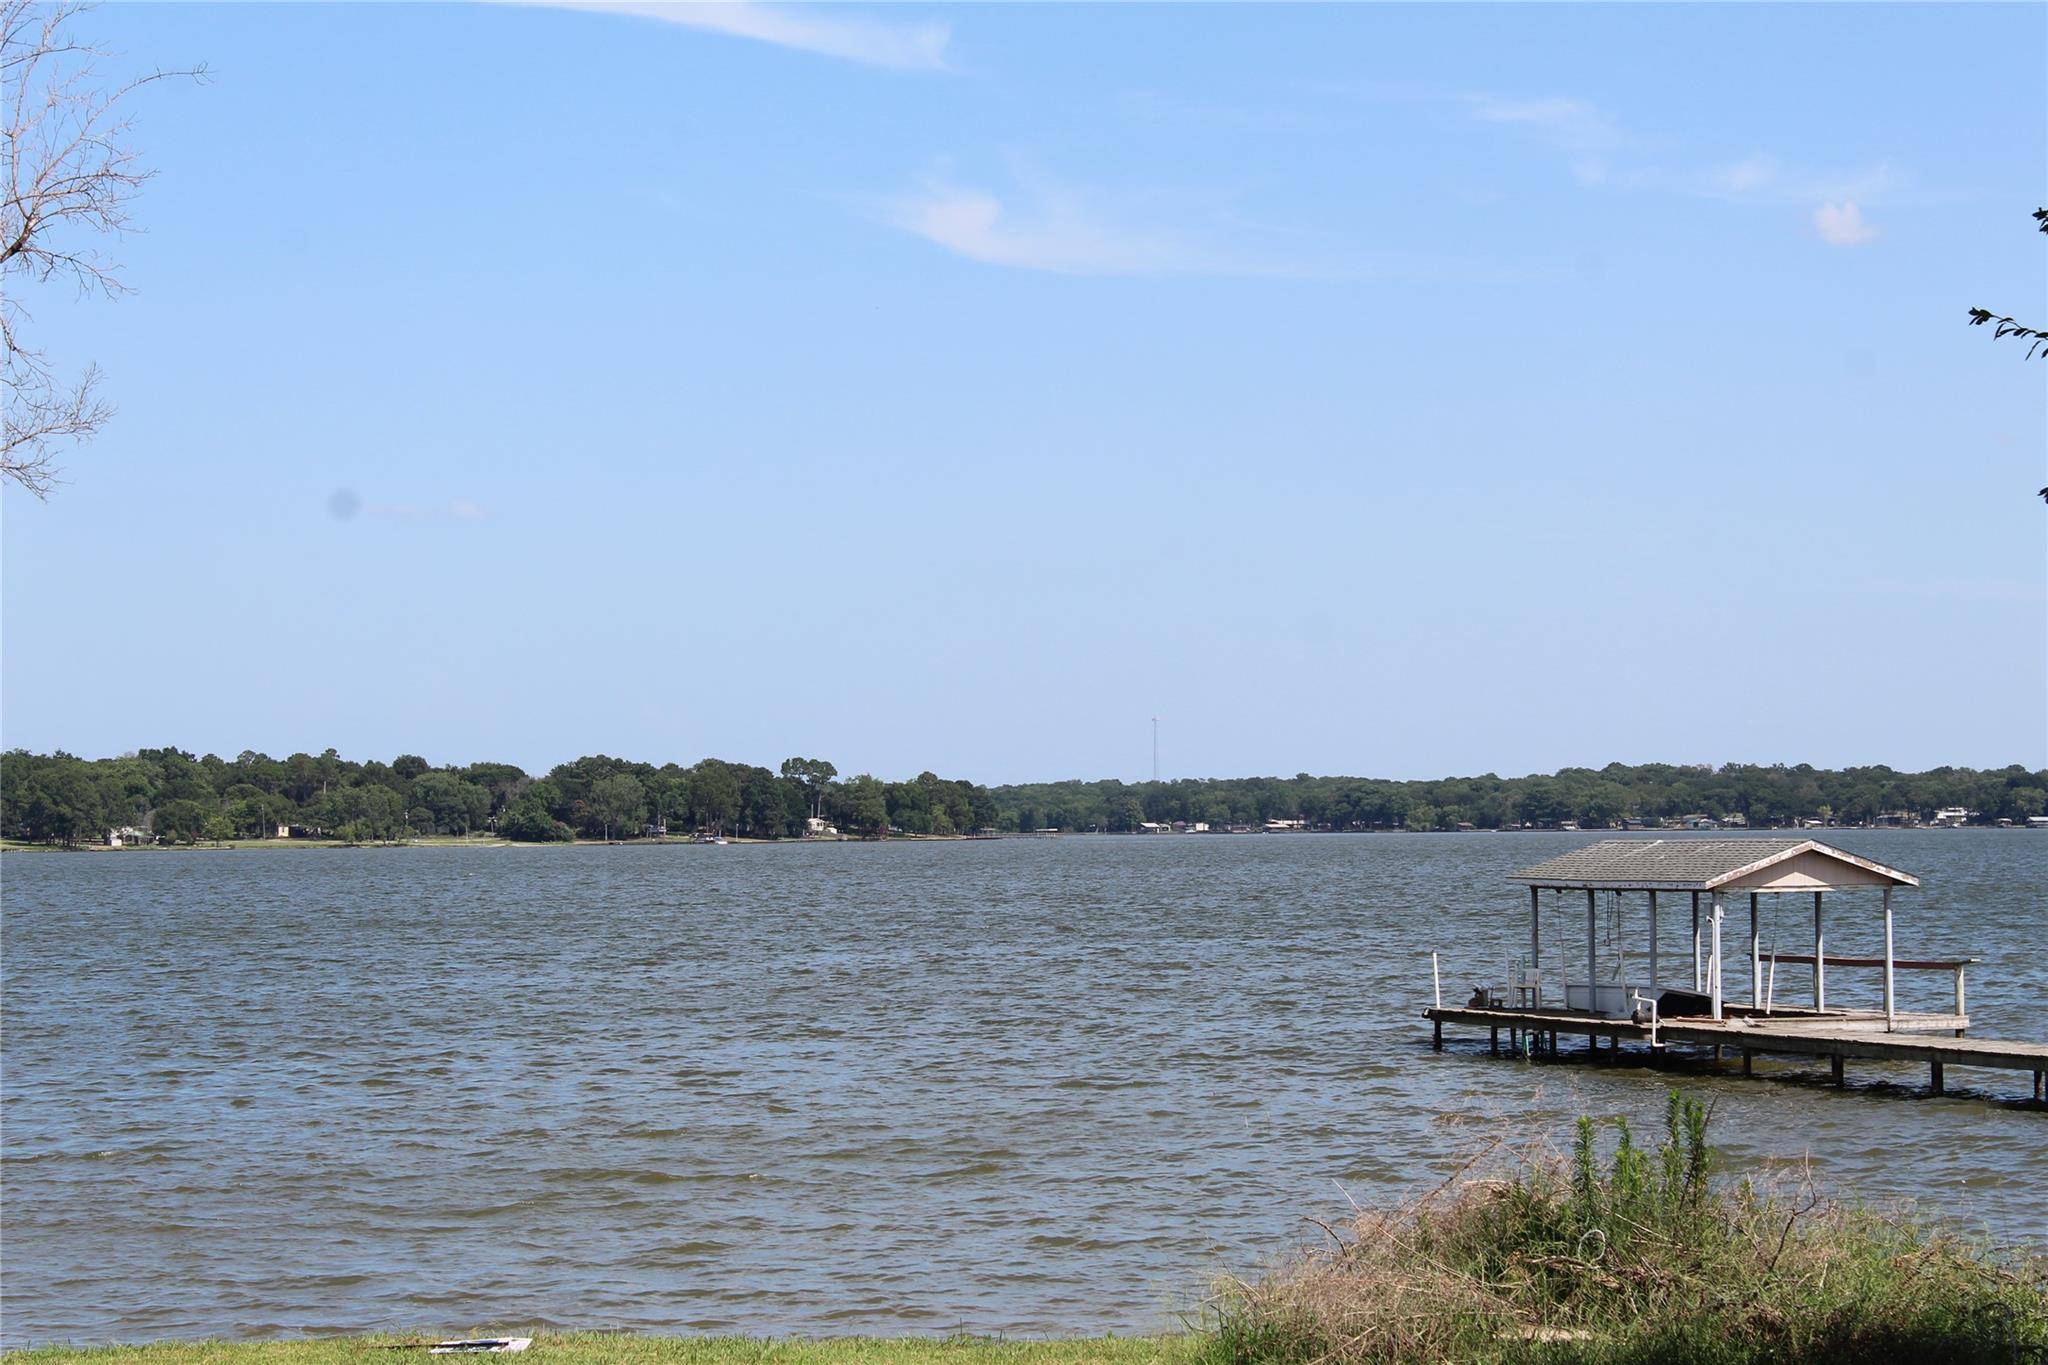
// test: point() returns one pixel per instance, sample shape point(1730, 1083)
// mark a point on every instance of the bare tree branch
point(69, 173)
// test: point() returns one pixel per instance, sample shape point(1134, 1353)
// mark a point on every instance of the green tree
point(359, 814)
point(500, 781)
point(866, 806)
point(527, 821)
point(62, 804)
point(714, 795)
point(452, 805)
point(182, 822)
point(814, 775)
point(618, 803)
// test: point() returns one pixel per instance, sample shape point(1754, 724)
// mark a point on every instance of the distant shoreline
point(493, 841)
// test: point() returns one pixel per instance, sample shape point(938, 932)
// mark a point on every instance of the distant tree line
point(60, 799)
point(180, 798)
point(1661, 793)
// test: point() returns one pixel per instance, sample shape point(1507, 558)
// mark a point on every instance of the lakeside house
point(128, 834)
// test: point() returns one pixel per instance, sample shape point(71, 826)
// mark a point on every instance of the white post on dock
point(1890, 1007)
point(1696, 982)
point(1436, 980)
point(1714, 964)
point(1820, 964)
point(1756, 965)
point(1653, 940)
point(1535, 944)
point(1592, 953)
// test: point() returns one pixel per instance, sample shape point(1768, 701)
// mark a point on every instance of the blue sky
point(1396, 391)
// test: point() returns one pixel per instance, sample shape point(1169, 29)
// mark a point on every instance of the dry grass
point(1644, 1257)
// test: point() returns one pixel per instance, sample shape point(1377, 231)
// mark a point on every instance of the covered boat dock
point(1623, 997)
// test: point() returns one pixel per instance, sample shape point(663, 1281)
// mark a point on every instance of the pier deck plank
point(1807, 1037)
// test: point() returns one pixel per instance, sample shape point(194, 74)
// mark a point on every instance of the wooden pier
point(1625, 998)
point(1839, 1039)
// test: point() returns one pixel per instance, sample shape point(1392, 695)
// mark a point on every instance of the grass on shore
point(590, 1348)
point(1642, 1260)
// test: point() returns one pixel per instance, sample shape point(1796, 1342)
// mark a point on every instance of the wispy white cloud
point(1764, 177)
point(1575, 120)
point(1052, 232)
point(345, 504)
point(1065, 231)
point(1842, 224)
point(1601, 151)
point(1575, 127)
point(1039, 223)
point(825, 30)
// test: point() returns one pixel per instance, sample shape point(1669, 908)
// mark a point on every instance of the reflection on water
point(1021, 1086)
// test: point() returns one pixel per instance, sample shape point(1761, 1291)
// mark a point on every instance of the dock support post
point(1820, 966)
point(1697, 983)
point(1438, 1042)
point(1746, 1055)
point(1756, 966)
point(1890, 1003)
point(1592, 953)
point(1494, 1042)
point(1536, 946)
point(1934, 1068)
point(1835, 1065)
point(1714, 964)
point(1653, 941)
point(2040, 1086)
point(1961, 1009)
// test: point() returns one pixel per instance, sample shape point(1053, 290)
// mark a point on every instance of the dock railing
point(1958, 966)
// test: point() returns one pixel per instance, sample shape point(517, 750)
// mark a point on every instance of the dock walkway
point(1807, 1036)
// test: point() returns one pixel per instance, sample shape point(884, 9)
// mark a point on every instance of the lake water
point(1021, 1086)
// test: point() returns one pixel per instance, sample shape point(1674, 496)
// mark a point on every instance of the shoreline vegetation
point(171, 796)
point(1616, 1254)
point(487, 840)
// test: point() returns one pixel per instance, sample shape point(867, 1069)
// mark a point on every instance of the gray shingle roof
point(1680, 864)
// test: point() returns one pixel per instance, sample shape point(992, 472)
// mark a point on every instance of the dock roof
point(1748, 864)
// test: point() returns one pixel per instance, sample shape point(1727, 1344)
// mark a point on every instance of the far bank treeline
point(180, 798)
